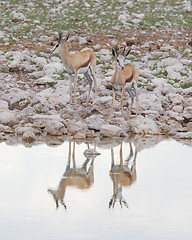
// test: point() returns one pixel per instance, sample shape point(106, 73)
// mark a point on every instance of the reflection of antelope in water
point(122, 175)
point(75, 177)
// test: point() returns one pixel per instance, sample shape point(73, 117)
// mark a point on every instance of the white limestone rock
point(40, 61)
point(184, 135)
point(95, 122)
point(20, 130)
point(44, 80)
point(53, 67)
point(175, 116)
point(175, 98)
point(138, 15)
point(2, 35)
point(28, 136)
point(143, 125)
point(8, 118)
point(102, 105)
point(143, 1)
point(75, 127)
point(51, 97)
point(15, 95)
point(4, 105)
point(189, 126)
point(55, 128)
point(26, 112)
point(18, 16)
point(150, 101)
point(168, 88)
point(5, 129)
point(108, 130)
point(40, 118)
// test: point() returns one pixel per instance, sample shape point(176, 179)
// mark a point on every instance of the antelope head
point(59, 41)
point(120, 58)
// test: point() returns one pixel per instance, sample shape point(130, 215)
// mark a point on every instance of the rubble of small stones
point(31, 106)
point(34, 89)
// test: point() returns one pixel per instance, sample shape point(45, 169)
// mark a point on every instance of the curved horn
point(128, 52)
point(117, 54)
point(123, 51)
point(60, 37)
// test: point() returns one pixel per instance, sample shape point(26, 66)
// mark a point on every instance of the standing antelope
point(80, 62)
point(123, 174)
point(124, 77)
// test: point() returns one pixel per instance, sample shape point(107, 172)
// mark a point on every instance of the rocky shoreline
point(34, 98)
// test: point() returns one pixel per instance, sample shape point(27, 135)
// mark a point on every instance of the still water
point(136, 189)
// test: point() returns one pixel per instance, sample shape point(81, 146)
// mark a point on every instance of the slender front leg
point(137, 101)
point(111, 105)
point(90, 81)
point(94, 78)
point(75, 86)
point(70, 87)
point(132, 100)
point(122, 94)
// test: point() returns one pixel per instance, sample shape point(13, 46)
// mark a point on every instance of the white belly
point(83, 70)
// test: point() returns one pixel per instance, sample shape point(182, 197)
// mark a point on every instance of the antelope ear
point(128, 52)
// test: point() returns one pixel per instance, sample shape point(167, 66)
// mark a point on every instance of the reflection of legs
point(74, 163)
point(90, 81)
point(69, 160)
point(111, 105)
point(130, 154)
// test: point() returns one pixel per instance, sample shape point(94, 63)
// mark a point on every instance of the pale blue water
point(158, 193)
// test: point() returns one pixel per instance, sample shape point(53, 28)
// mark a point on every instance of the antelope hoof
point(108, 120)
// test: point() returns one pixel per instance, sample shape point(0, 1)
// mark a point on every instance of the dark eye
point(51, 43)
point(117, 60)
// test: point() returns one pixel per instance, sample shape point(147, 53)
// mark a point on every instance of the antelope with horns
point(124, 77)
point(81, 62)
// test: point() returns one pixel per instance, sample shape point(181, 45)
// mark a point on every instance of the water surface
point(136, 189)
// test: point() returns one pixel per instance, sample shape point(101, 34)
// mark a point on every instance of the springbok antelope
point(80, 62)
point(124, 77)
point(81, 178)
point(121, 175)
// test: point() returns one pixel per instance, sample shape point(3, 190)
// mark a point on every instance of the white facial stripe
point(54, 48)
point(120, 61)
